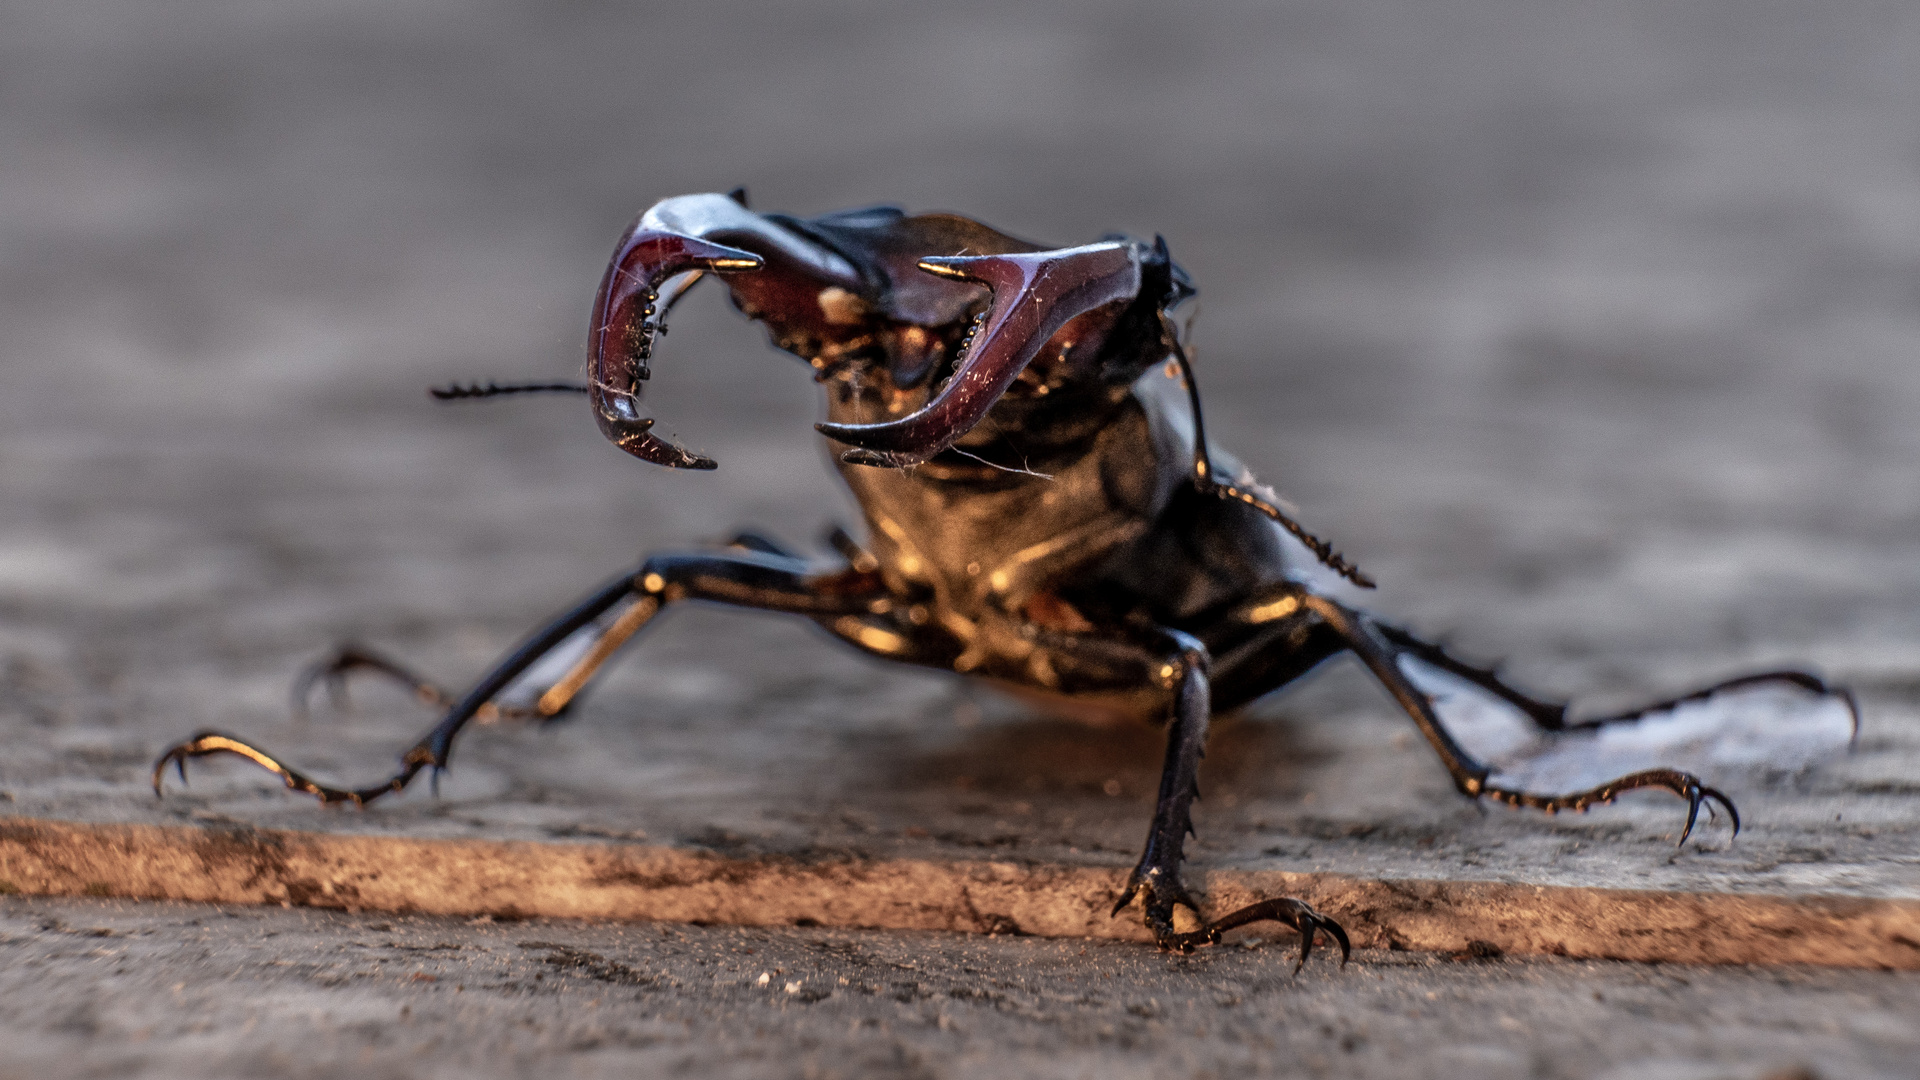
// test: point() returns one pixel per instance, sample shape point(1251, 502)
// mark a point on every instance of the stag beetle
point(1037, 515)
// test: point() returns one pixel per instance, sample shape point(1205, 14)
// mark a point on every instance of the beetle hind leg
point(331, 671)
point(1383, 648)
point(1554, 717)
point(531, 697)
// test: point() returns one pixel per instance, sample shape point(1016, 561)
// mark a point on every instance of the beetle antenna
point(475, 391)
point(1207, 480)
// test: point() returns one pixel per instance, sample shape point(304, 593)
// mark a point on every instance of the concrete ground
point(111, 988)
point(1588, 329)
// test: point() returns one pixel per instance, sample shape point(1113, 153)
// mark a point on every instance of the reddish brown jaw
point(1034, 296)
point(621, 338)
point(690, 234)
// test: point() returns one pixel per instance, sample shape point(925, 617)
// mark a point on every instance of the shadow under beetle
point(1038, 513)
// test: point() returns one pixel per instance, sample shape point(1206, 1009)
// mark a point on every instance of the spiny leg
point(566, 670)
point(749, 540)
point(1377, 651)
point(1802, 680)
point(1552, 716)
point(742, 578)
point(1207, 479)
point(431, 750)
point(588, 650)
point(531, 696)
point(1181, 664)
point(331, 671)
point(1156, 878)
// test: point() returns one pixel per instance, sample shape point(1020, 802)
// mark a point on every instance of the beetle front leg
point(745, 578)
point(1156, 879)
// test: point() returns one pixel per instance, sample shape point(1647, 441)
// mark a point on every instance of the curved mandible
point(664, 251)
point(1034, 295)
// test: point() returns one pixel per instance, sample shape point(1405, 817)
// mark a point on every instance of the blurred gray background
point(1589, 328)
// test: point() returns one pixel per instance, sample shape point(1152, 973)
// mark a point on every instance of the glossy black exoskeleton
point(1040, 510)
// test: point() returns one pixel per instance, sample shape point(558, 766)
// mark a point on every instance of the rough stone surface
point(1589, 330)
point(108, 988)
point(519, 879)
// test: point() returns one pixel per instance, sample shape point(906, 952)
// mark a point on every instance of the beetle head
point(885, 303)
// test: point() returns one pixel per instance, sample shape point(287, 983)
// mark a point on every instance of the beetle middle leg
point(743, 577)
point(348, 657)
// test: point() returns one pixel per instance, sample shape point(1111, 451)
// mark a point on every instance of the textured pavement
point(108, 988)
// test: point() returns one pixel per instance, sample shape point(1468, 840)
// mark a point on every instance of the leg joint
point(1185, 656)
point(674, 576)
